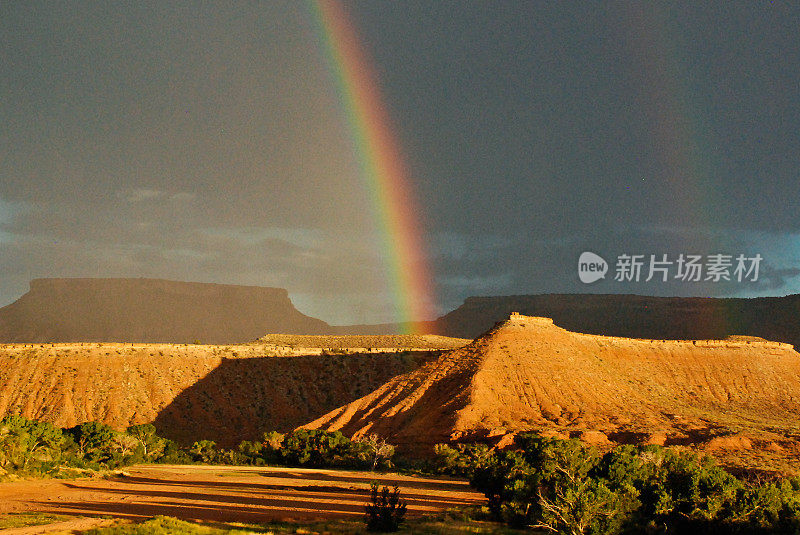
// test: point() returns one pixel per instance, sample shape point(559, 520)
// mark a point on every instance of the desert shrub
point(686, 491)
point(315, 447)
point(461, 460)
point(205, 451)
point(385, 510)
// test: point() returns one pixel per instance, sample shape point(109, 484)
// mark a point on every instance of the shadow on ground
point(283, 495)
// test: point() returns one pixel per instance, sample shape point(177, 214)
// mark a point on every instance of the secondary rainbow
point(381, 165)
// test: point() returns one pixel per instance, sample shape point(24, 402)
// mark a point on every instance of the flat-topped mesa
point(150, 310)
point(636, 316)
point(520, 320)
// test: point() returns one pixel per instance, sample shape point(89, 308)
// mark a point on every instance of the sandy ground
point(223, 494)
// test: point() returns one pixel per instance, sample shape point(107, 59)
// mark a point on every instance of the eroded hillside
point(223, 393)
point(529, 374)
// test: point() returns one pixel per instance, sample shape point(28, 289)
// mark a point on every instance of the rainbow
point(381, 165)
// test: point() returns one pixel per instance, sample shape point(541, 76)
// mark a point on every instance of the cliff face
point(773, 318)
point(190, 392)
point(150, 310)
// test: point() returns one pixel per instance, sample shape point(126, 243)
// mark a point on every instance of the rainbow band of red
point(381, 165)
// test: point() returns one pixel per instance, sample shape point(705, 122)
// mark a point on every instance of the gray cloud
point(209, 142)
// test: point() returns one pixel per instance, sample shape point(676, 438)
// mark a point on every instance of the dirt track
point(228, 494)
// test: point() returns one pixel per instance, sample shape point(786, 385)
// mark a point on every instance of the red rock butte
point(529, 374)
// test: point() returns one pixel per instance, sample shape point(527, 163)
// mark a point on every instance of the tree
point(95, 441)
point(204, 451)
point(22, 440)
point(374, 450)
point(550, 484)
point(152, 445)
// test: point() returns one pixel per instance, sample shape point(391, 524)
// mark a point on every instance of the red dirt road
point(229, 494)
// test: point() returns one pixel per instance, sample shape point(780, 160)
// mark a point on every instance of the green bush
point(315, 447)
point(385, 510)
point(205, 451)
point(461, 460)
point(563, 486)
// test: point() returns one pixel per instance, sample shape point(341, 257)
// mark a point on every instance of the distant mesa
point(635, 316)
point(150, 310)
point(155, 310)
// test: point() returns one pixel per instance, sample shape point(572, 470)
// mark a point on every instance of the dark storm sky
point(207, 142)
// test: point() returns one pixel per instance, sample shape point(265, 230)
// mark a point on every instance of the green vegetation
point(30, 447)
point(21, 520)
point(312, 448)
point(164, 525)
point(442, 524)
point(25, 443)
point(385, 510)
point(565, 487)
point(545, 484)
point(37, 448)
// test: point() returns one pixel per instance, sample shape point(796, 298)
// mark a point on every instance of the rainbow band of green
point(678, 133)
point(381, 166)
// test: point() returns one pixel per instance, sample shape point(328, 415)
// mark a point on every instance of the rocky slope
point(528, 373)
point(150, 310)
point(222, 393)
